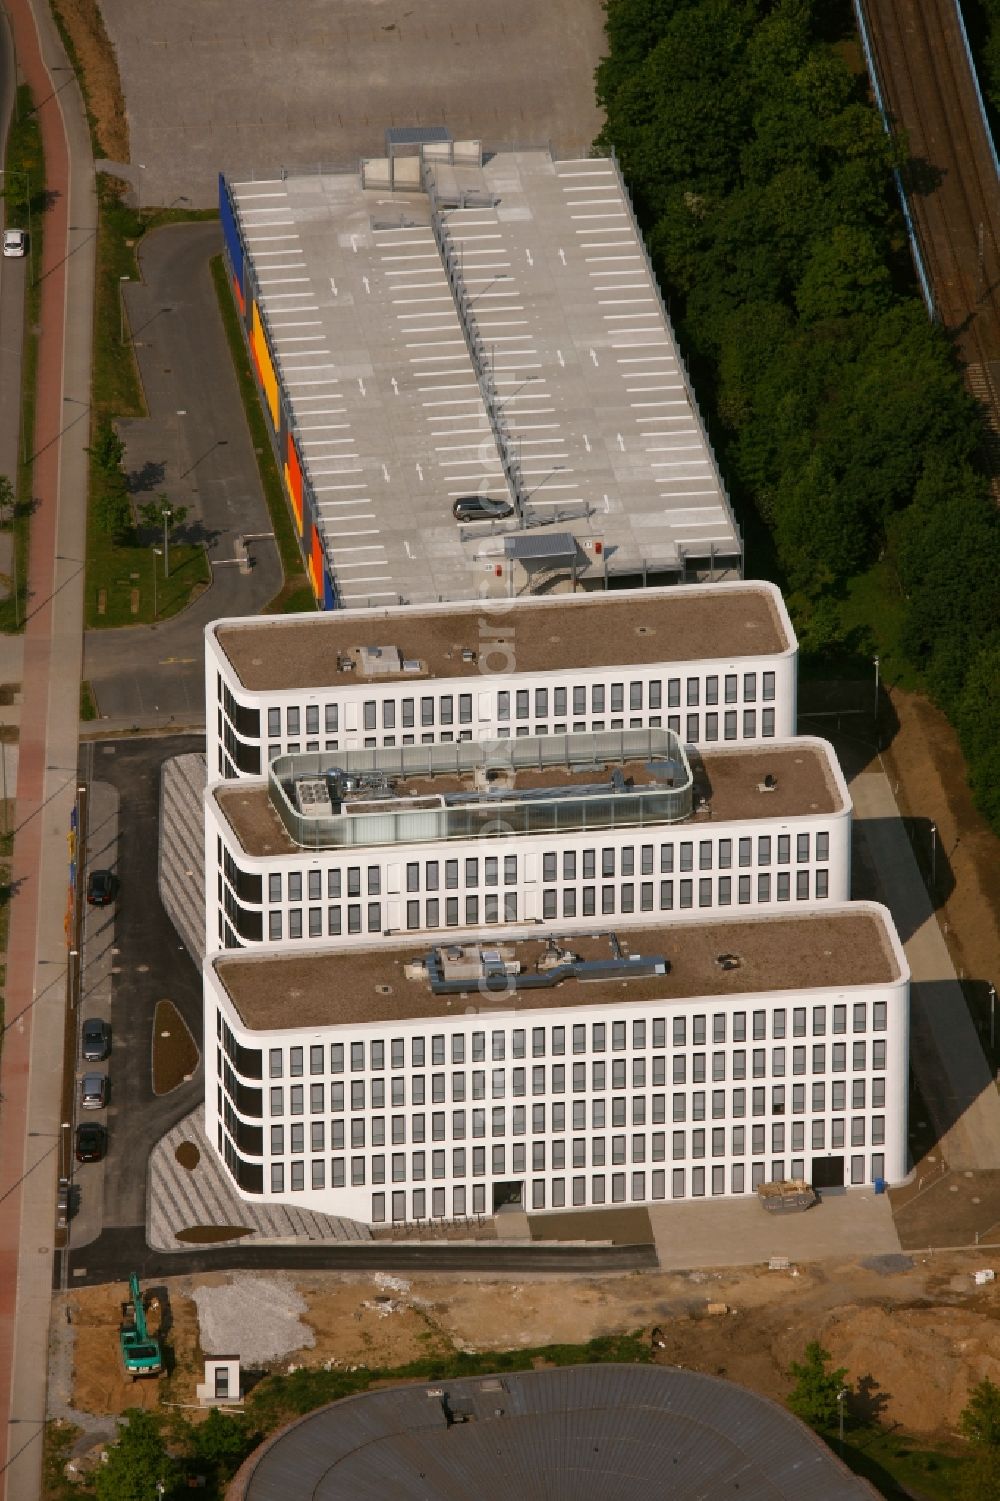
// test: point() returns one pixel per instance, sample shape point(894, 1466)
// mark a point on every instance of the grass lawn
point(126, 574)
point(900, 1467)
point(24, 172)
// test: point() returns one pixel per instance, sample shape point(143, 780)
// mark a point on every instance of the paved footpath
point(947, 1056)
point(31, 1063)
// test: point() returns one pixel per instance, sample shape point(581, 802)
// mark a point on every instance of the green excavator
point(141, 1352)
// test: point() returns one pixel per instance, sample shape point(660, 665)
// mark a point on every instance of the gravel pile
point(256, 1318)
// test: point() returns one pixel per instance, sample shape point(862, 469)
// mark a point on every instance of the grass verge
point(899, 1467)
point(24, 173)
point(88, 704)
point(296, 593)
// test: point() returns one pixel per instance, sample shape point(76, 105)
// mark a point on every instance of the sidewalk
point(31, 1067)
point(948, 1060)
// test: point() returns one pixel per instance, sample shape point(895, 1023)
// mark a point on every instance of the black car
point(91, 1142)
point(481, 508)
point(101, 887)
point(95, 1042)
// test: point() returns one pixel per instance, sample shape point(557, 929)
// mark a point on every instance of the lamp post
point(841, 1398)
point(167, 513)
point(121, 308)
point(993, 1017)
point(876, 701)
point(933, 858)
point(156, 554)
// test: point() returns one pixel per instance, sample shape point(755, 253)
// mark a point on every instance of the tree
point(138, 1462)
point(8, 500)
point(980, 1417)
point(159, 511)
point(813, 1398)
point(220, 1443)
point(107, 449)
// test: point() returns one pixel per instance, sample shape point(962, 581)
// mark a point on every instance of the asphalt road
point(119, 1252)
point(150, 964)
point(195, 448)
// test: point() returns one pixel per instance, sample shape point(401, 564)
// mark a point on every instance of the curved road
point(31, 1063)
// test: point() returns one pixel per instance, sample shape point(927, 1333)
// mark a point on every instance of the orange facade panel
point(265, 367)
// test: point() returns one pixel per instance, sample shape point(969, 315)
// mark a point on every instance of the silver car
point(93, 1091)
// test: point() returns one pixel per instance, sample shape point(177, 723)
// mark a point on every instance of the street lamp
point(841, 1398)
point(993, 1017)
point(933, 858)
point(167, 513)
point(156, 554)
point(876, 701)
point(121, 308)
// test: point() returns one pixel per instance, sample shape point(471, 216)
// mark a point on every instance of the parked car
point(96, 1040)
point(91, 1142)
point(94, 1091)
point(102, 887)
point(15, 242)
point(481, 508)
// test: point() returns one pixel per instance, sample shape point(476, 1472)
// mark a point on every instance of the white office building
point(582, 1064)
point(621, 824)
point(714, 663)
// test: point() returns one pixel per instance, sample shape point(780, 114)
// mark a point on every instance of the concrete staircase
point(182, 1198)
point(182, 849)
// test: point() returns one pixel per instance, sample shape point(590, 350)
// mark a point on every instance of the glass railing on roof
point(387, 795)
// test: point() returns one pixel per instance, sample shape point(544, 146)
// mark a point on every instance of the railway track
point(951, 181)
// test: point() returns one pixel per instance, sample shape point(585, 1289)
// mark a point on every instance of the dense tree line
point(763, 179)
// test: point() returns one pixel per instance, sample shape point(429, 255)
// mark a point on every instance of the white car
point(15, 242)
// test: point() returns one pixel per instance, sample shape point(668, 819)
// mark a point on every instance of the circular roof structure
point(576, 1433)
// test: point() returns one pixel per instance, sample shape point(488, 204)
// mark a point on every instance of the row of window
point(476, 872)
point(600, 1188)
point(447, 709)
point(497, 1161)
point(552, 1080)
point(717, 1141)
point(555, 1041)
point(569, 901)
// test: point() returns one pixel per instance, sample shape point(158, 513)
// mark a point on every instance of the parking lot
point(132, 958)
point(258, 86)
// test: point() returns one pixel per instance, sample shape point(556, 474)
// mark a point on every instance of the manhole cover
point(383, 989)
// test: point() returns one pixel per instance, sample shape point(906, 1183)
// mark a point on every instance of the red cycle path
point(25, 909)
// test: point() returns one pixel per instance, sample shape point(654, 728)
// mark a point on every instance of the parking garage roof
point(343, 986)
point(727, 787)
point(556, 634)
point(388, 406)
point(571, 1434)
